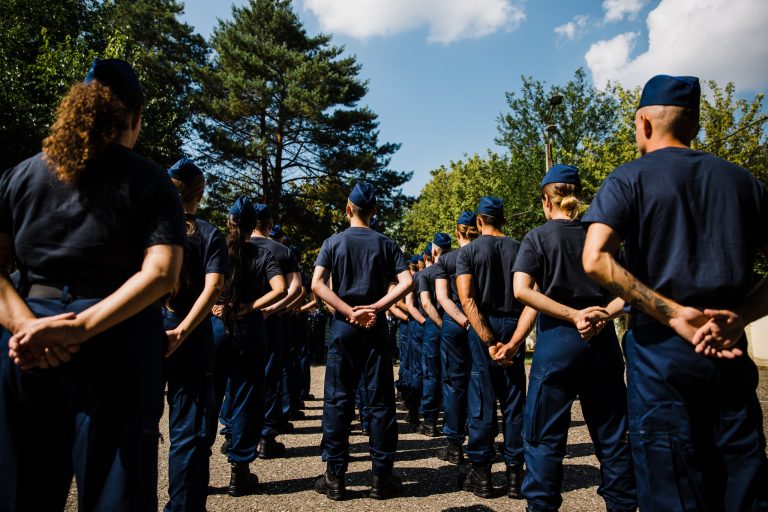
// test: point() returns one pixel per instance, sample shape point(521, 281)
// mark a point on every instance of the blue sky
point(438, 69)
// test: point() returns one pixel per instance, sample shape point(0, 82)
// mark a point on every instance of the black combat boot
point(452, 453)
point(479, 481)
point(429, 429)
point(225, 445)
point(514, 481)
point(332, 486)
point(271, 449)
point(385, 486)
point(242, 481)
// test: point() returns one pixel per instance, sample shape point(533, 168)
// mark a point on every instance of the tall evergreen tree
point(281, 120)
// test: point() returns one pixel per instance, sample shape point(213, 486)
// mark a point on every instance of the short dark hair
point(491, 221)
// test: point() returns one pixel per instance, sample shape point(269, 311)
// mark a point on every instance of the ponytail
point(239, 232)
point(89, 119)
point(563, 196)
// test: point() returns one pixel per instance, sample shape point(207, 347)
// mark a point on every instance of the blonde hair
point(469, 232)
point(563, 196)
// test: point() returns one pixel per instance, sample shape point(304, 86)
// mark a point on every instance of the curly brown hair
point(88, 120)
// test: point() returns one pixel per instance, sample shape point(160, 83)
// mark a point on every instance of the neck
point(559, 215)
point(664, 141)
point(357, 222)
point(256, 233)
point(491, 231)
point(463, 242)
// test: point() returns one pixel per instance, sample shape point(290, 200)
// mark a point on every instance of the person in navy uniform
point(691, 224)
point(254, 282)
point(192, 411)
point(415, 346)
point(98, 234)
point(431, 396)
point(576, 355)
point(403, 383)
point(454, 347)
point(361, 264)
point(274, 421)
point(484, 284)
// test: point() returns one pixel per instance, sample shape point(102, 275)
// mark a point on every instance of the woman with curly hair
point(97, 232)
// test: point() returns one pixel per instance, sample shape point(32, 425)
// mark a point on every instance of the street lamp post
point(554, 100)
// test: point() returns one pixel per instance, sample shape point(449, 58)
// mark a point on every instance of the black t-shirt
point(551, 254)
point(489, 259)
point(446, 269)
point(205, 252)
point(362, 263)
point(259, 266)
point(692, 224)
point(281, 253)
point(92, 232)
point(426, 279)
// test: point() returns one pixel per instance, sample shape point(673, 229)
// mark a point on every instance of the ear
point(646, 126)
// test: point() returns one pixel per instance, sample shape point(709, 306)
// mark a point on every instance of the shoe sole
point(236, 493)
point(480, 493)
point(382, 495)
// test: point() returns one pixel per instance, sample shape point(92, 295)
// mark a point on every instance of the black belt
point(67, 293)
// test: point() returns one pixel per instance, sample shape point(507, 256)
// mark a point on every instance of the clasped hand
point(363, 316)
point(45, 342)
point(713, 332)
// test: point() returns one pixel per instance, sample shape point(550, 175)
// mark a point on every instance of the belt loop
point(66, 297)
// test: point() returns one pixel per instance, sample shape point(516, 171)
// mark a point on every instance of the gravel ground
point(429, 483)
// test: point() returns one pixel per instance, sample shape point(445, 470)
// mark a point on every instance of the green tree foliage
point(45, 47)
point(595, 132)
point(281, 121)
point(28, 93)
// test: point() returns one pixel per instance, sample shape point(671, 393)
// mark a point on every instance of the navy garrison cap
point(276, 232)
point(428, 249)
point(184, 170)
point(263, 212)
point(467, 218)
point(561, 173)
point(679, 91)
point(414, 259)
point(118, 75)
point(442, 240)
point(491, 206)
point(363, 195)
point(243, 210)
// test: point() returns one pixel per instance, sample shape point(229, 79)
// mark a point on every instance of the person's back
point(95, 229)
point(360, 263)
point(698, 215)
point(491, 259)
point(692, 225)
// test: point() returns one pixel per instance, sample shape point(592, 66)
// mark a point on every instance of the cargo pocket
point(667, 477)
point(533, 416)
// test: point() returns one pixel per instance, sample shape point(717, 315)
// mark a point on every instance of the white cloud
point(616, 10)
point(573, 28)
point(448, 20)
point(722, 40)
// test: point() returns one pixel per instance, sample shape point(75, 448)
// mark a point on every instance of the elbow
point(281, 292)
point(593, 265)
point(166, 279)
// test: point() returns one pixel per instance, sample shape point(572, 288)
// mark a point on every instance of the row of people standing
point(111, 303)
point(689, 407)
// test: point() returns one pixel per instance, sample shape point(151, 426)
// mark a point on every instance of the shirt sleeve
point(6, 219)
point(529, 259)
point(423, 279)
point(271, 267)
point(440, 270)
point(218, 255)
point(165, 219)
point(612, 206)
point(762, 226)
point(324, 256)
point(464, 262)
point(400, 264)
